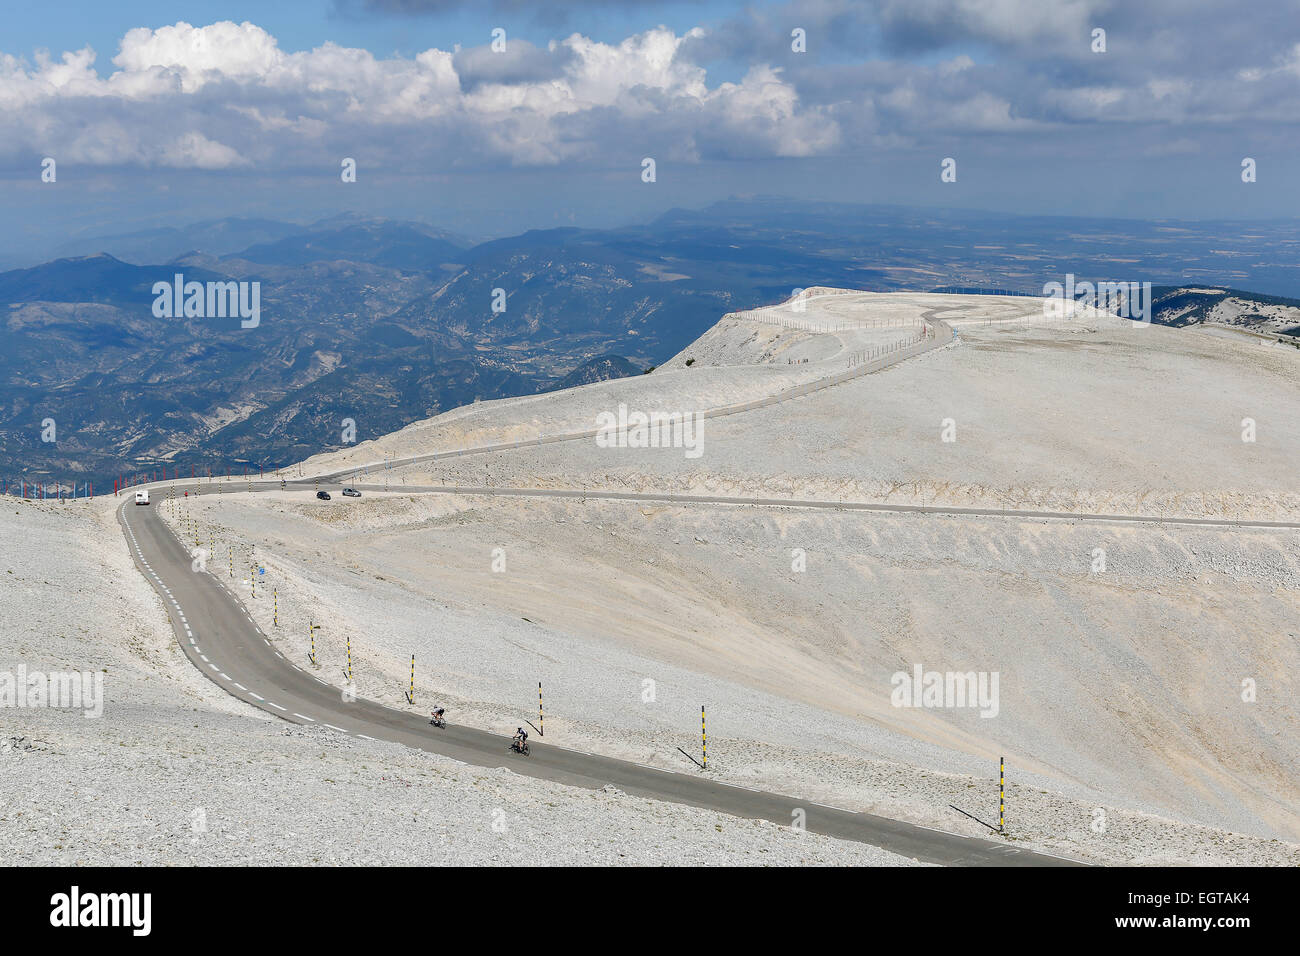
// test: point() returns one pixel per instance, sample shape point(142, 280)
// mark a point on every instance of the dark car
point(351, 493)
point(323, 495)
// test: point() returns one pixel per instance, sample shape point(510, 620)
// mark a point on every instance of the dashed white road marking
point(271, 703)
point(827, 806)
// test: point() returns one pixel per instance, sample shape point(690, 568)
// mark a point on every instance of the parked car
point(323, 495)
point(351, 493)
point(142, 497)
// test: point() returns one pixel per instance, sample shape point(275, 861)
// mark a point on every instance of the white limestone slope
point(1121, 689)
point(1123, 683)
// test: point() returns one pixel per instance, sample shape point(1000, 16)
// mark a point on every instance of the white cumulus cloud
point(226, 95)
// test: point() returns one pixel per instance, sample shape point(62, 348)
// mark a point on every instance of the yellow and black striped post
point(541, 720)
point(311, 631)
point(232, 561)
point(349, 657)
point(704, 740)
point(1002, 778)
point(275, 606)
point(252, 578)
point(411, 696)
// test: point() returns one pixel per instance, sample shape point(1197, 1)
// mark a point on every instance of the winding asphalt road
point(224, 642)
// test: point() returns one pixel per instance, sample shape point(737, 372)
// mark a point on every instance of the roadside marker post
point(1002, 779)
point(410, 697)
point(349, 671)
point(704, 740)
point(541, 720)
point(311, 630)
point(275, 606)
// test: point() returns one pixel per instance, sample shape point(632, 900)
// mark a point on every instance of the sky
point(160, 114)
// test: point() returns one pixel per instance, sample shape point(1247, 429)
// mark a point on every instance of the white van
point(142, 497)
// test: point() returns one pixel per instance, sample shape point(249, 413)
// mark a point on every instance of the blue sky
point(199, 109)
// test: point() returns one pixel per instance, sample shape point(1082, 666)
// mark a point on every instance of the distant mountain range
point(385, 322)
point(224, 237)
point(404, 246)
point(1269, 314)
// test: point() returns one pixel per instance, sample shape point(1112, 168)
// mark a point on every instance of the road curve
point(219, 636)
point(222, 640)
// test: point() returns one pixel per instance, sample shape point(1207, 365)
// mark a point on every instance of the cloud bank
point(876, 77)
